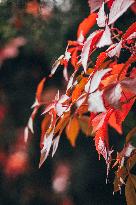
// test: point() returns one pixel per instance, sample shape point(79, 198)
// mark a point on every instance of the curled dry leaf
point(130, 188)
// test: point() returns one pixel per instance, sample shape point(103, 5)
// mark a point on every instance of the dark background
point(21, 181)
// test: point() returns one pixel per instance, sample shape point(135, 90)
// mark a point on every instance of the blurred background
point(33, 34)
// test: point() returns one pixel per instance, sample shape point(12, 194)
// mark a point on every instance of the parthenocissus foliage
point(99, 92)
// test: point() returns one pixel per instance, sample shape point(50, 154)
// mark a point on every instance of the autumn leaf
point(56, 65)
point(101, 19)
point(129, 84)
point(120, 177)
point(130, 135)
point(130, 190)
point(131, 162)
point(88, 44)
point(100, 59)
point(55, 144)
point(101, 142)
point(85, 125)
point(113, 95)
point(40, 89)
point(62, 122)
point(95, 102)
point(47, 143)
point(87, 24)
point(95, 4)
point(44, 127)
point(118, 8)
point(129, 31)
point(105, 39)
point(72, 130)
point(115, 121)
point(78, 89)
point(96, 79)
point(118, 116)
point(115, 50)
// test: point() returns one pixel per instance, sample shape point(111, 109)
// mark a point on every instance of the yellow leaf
point(72, 130)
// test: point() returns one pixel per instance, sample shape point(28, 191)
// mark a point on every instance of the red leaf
point(109, 3)
point(119, 116)
point(100, 59)
point(95, 102)
point(96, 79)
point(113, 95)
point(129, 84)
point(101, 142)
point(40, 89)
point(129, 31)
point(118, 8)
point(89, 44)
point(101, 136)
point(87, 24)
point(105, 39)
point(115, 50)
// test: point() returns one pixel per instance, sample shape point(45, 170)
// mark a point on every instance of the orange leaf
point(62, 122)
point(87, 24)
point(44, 127)
point(82, 109)
point(117, 125)
point(40, 89)
point(116, 70)
point(78, 89)
point(84, 122)
point(72, 130)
